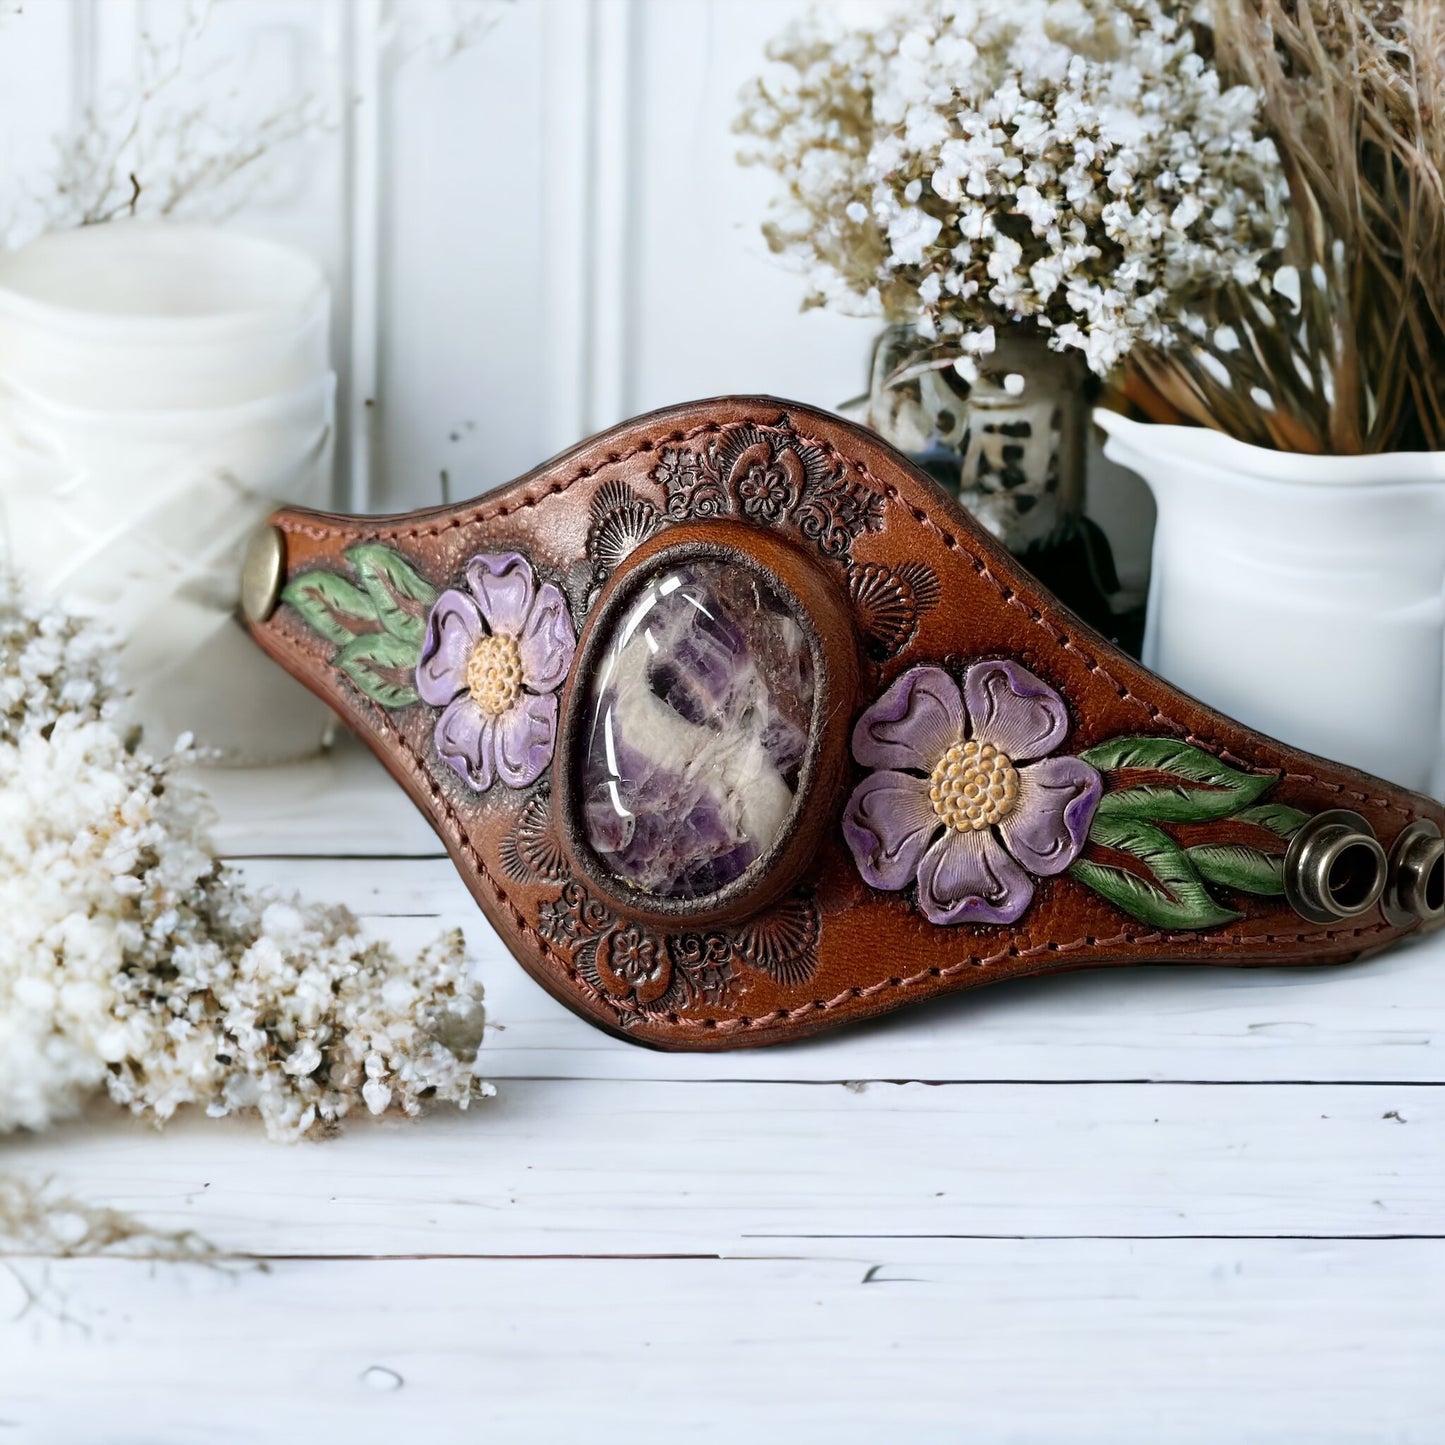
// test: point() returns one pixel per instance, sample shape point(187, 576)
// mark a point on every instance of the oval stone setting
point(696, 728)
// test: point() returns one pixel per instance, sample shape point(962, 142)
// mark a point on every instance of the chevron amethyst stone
point(698, 721)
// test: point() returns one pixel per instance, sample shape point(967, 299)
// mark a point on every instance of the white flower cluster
point(1074, 165)
point(132, 962)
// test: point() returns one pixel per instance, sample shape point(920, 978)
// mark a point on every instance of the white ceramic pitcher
point(1303, 595)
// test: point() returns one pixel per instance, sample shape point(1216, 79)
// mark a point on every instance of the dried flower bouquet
point(132, 963)
point(1346, 353)
point(1077, 167)
point(1235, 208)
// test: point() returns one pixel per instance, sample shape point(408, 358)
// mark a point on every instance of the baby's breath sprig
point(133, 963)
point(1074, 167)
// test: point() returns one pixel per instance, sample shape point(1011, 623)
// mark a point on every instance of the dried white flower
point(132, 962)
point(1285, 282)
point(1073, 165)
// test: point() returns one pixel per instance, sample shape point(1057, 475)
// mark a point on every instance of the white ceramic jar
point(161, 389)
point(1303, 595)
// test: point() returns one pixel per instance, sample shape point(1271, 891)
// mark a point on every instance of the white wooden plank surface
point(1157, 1206)
point(339, 804)
point(1033, 1343)
point(1380, 1020)
point(629, 1167)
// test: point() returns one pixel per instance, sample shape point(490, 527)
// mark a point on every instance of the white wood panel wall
point(568, 240)
point(529, 237)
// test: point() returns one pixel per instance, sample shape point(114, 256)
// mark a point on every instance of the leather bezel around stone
point(823, 613)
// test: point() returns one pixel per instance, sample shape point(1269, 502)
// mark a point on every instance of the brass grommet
point(1416, 885)
point(1335, 868)
point(263, 572)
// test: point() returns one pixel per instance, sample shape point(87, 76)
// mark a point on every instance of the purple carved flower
point(950, 806)
point(493, 659)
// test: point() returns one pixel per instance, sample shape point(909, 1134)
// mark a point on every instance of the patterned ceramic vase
point(1012, 444)
point(1012, 447)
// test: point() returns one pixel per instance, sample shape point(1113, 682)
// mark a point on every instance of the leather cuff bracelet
point(737, 728)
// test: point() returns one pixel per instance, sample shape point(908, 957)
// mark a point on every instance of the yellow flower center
point(974, 786)
point(494, 673)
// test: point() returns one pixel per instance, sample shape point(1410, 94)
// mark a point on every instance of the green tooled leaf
point(1282, 821)
point(1204, 788)
point(1175, 898)
point(1250, 870)
point(382, 666)
point(400, 594)
point(1234, 865)
point(337, 609)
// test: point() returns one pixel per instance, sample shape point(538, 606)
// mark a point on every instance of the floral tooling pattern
point(493, 658)
point(951, 805)
point(968, 802)
point(490, 654)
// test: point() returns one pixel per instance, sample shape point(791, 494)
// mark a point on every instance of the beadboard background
point(530, 211)
point(529, 239)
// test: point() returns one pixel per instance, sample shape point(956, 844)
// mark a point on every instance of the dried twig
point(1347, 353)
point(39, 1224)
point(164, 146)
point(38, 1219)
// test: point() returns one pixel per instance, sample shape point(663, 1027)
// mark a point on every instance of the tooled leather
point(728, 1023)
point(481, 513)
point(1024, 948)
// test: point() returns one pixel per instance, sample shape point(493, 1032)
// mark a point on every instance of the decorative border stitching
point(321, 532)
point(935, 972)
point(1064, 642)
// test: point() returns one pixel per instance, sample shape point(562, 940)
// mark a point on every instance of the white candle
point(161, 388)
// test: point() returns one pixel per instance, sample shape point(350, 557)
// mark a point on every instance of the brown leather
point(874, 530)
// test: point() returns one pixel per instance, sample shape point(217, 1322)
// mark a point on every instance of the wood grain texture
point(1029, 1342)
point(1378, 1021)
point(1059, 1239)
point(631, 1167)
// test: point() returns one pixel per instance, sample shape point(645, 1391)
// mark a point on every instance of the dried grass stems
point(190, 135)
point(173, 145)
point(40, 1223)
point(1346, 353)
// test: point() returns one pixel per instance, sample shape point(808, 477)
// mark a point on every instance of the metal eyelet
point(1416, 885)
point(1335, 868)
